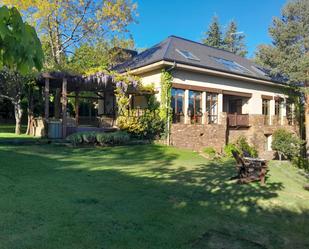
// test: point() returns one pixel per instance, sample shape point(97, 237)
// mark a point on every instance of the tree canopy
point(213, 37)
point(231, 40)
point(65, 25)
point(289, 52)
point(234, 40)
point(20, 48)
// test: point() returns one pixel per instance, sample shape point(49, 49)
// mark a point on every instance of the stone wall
point(197, 137)
point(256, 133)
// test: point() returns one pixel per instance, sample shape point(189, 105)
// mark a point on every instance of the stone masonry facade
point(197, 137)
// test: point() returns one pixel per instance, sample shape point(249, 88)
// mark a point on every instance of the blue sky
point(189, 18)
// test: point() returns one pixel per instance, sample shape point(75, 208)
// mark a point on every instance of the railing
point(238, 120)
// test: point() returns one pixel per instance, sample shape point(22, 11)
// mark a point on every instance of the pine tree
point(289, 53)
point(234, 41)
point(213, 37)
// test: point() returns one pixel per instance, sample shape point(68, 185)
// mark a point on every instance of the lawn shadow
point(138, 197)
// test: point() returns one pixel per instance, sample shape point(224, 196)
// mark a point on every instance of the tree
point(11, 88)
point(234, 41)
point(20, 53)
point(20, 48)
point(286, 144)
point(213, 37)
point(288, 55)
point(102, 55)
point(66, 24)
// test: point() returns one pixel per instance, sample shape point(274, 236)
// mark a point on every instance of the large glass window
point(195, 107)
point(278, 103)
point(290, 112)
point(212, 107)
point(265, 110)
point(178, 96)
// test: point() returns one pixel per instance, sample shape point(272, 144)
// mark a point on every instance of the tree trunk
point(307, 119)
point(18, 115)
point(30, 111)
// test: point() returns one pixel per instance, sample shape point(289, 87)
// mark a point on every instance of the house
point(216, 95)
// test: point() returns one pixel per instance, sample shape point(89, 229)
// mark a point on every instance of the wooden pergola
point(68, 83)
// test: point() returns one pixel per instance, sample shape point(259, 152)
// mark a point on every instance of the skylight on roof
point(187, 55)
point(232, 65)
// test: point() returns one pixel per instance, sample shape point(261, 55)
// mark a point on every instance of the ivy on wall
point(166, 98)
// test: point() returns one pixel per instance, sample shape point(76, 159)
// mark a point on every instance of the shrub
point(286, 144)
point(300, 162)
point(101, 138)
point(147, 126)
point(210, 152)
point(244, 148)
point(229, 148)
point(75, 139)
point(89, 137)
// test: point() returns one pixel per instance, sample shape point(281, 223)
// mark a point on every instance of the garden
point(143, 196)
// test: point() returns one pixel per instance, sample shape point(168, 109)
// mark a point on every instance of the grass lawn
point(142, 197)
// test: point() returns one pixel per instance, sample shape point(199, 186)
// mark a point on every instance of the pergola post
point(64, 107)
point(77, 108)
point(46, 95)
point(57, 103)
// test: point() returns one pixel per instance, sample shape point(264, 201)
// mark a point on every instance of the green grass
point(140, 197)
point(7, 134)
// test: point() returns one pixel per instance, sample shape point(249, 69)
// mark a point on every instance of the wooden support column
point(64, 107)
point(204, 110)
point(77, 108)
point(186, 107)
point(46, 95)
point(57, 103)
point(220, 107)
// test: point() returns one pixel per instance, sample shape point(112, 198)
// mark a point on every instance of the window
point(232, 65)
point(212, 107)
point(290, 112)
point(278, 103)
point(265, 110)
point(195, 107)
point(178, 105)
point(187, 55)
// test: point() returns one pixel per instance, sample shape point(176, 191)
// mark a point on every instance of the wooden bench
point(250, 169)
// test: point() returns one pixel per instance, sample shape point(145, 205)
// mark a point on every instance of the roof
point(207, 57)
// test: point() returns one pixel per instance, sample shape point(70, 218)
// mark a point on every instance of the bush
point(210, 152)
point(113, 138)
point(300, 162)
point(75, 139)
point(286, 144)
point(103, 139)
point(229, 148)
point(89, 137)
point(244, 148)
point(147, 126)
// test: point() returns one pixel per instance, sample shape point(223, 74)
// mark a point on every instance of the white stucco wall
point(254, 104)
point(251, 106)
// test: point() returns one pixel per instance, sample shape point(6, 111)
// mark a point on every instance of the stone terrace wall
point(256, 134)
point(197, 137)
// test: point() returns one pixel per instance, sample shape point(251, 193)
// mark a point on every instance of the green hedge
point(99, 138)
